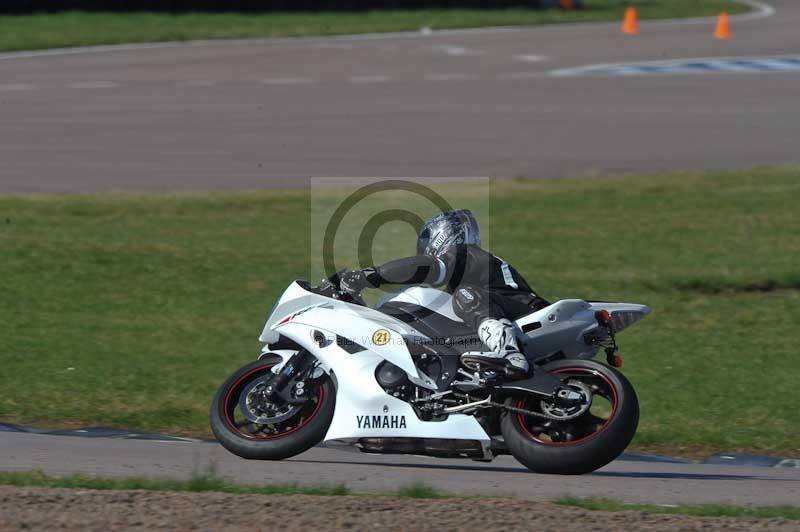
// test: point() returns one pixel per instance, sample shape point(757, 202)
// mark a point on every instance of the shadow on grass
point(735, 286)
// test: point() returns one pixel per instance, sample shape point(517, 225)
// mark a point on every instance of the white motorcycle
point(391, 380)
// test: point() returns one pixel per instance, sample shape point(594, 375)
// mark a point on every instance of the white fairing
point(430, 298)
point(363, 408)
point(562, 326)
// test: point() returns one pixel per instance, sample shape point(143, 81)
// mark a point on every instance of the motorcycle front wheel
point(580, 439)
point(248, 425)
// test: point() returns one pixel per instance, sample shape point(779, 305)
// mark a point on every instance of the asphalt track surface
point(273, 113)
point(641, 482)
point(256, 114)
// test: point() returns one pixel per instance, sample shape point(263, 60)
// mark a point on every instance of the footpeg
point(479, 362)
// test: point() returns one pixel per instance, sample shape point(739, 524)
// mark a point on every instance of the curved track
point(254, 114)
point(250, 114)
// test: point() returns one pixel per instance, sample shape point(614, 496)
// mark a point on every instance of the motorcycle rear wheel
point(304, 429)
point(585, 443)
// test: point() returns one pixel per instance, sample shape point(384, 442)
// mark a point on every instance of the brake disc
point(257, 408)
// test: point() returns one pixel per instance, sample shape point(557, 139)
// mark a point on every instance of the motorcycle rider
point(487, 291)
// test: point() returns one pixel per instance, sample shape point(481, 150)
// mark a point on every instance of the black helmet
point(448, 229)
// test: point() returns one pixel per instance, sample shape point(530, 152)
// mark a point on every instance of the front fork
point(276, 388)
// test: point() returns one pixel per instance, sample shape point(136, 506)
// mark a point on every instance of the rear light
point(615, 360)
point(603, 317)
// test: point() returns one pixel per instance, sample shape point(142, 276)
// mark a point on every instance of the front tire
point(585, 443)
point(304, 429)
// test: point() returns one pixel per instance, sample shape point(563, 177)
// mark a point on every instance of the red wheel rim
point(614, 407)
point(229, 411)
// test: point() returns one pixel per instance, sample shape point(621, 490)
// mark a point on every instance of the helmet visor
point(448, 229)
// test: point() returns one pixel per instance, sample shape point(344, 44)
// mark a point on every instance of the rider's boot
point(500, 336)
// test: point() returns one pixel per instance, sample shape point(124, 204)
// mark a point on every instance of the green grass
point(699, 510)
point(420, 490)
point(206, 480)
point(130, 309)
point(200, 481)
point(29, 32)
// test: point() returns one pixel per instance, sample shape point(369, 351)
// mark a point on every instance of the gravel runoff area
point(78, 509)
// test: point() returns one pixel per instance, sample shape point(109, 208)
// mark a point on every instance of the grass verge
point(420, 490)
point(200, 481)
point(208, 481)
point(698, 510)
point(130, 309)
point(30, 32)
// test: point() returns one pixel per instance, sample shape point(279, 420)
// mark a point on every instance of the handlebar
point(329, 287)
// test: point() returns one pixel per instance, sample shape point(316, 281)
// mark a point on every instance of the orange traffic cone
point(723, 30)
point(630, 25)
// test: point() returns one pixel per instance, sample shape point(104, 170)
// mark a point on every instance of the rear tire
point(306, 432)
point(593, 447)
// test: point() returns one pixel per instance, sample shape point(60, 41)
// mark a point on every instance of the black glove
point(354, 281)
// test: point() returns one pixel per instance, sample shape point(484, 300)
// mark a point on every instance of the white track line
point(17, 87)
point(530, 58)
point(455, 50)
point(761, 10)
point(582, 69)
point(92, 85)
point(88, 50)
point(368, 79)
point(286, 81)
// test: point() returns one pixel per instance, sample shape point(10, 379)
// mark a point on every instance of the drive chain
point(531, 413)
